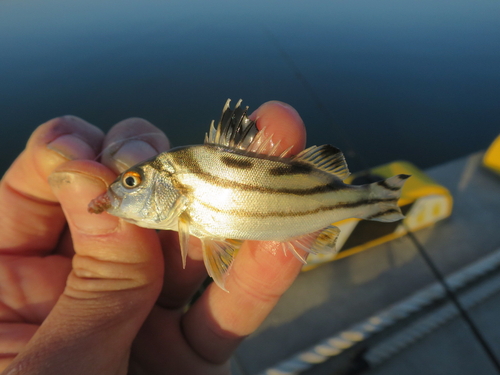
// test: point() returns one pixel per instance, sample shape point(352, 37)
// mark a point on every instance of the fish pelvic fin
point(321, 241)
point(183, 228)
point(389, 192)
point(218, 256)
point(326, 158)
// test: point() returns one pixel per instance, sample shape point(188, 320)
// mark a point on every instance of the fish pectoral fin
point(327, 158)
point(321, 241)
point(218, 255)
point(183, 228)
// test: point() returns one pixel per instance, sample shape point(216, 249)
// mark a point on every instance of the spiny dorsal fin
point(234, 130)
point(327, 158)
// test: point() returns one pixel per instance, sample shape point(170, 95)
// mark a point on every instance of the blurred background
point(385, 79)
point(382, 80)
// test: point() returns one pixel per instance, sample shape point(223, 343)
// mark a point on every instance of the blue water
point(383, 80)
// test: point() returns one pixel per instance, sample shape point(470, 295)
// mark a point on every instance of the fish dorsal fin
point(327, 158)
point(234, 130)
point(218, 255)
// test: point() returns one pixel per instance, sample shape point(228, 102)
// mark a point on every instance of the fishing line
point(452, 296)
point(316, 99)
point(419, 246)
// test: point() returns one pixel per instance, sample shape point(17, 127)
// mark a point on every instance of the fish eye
point(131, 179)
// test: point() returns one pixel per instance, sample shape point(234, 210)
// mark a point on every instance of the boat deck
point(334, 300)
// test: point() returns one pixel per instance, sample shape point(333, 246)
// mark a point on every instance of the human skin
point(93, 294)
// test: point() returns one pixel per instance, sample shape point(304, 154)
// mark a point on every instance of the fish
point(236, 187)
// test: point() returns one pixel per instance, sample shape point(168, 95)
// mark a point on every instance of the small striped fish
point(228, 190)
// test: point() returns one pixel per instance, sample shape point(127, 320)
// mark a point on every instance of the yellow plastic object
point(423, 202)
point(491, 159)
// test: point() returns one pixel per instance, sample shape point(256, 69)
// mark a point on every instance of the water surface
point(383, 80)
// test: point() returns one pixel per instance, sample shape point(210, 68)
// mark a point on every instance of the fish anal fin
point(218, 255)
point(183, 229)
point(326, 158)
point(321, 241)
point(326, 240)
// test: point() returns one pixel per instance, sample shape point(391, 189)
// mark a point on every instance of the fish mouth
point(105, 202)
point(100, 204)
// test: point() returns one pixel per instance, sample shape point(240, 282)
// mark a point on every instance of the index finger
point(218, 321)
point(30, 216)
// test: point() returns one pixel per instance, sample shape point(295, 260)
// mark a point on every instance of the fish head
point(143, 195)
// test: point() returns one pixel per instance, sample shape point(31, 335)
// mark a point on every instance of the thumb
point(115, 280)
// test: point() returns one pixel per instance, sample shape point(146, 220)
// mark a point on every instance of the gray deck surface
point(334, 296)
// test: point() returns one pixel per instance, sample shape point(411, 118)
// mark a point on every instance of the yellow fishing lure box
point(491, 159)
point(423, 202)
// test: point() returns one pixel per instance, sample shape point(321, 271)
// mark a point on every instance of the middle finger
point(131, 141)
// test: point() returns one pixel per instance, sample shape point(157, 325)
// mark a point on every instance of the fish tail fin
point(389, 192)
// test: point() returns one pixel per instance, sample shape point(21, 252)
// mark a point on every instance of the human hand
point(106, 296)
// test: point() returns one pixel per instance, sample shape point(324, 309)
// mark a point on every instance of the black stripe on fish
point(394, 187)
point(383, 213)
point(388, 187)
point(342, 205)
point(185, 159)
point(158, 165)
point(239, 163)
point(295, 168)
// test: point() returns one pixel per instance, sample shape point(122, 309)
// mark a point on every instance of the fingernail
point(71, 147)
point(74, 191)
point(133, 152)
